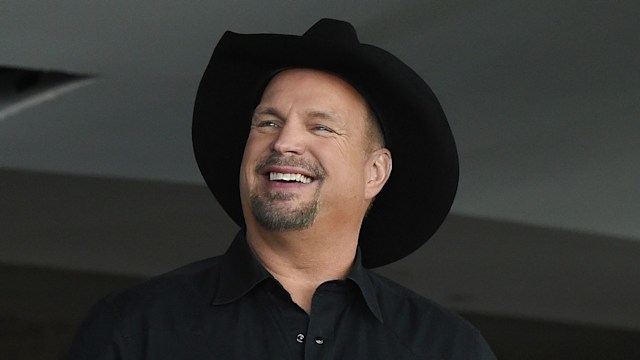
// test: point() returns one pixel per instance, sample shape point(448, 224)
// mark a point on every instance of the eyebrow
point(323, 115)
point(314, 114)
point(265, 111)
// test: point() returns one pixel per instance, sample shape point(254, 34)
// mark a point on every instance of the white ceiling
point(543, 96)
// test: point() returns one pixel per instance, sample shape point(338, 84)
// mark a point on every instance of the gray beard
point(272, 216)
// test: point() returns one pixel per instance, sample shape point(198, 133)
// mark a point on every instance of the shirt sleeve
point(98, 337)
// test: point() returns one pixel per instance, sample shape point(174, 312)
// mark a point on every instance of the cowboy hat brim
point(420, 191)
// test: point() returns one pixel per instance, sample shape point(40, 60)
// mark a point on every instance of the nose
point(290, 140)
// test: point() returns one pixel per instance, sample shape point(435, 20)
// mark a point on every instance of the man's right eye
point(266, 123)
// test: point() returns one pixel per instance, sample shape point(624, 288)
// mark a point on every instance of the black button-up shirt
point(230, 307)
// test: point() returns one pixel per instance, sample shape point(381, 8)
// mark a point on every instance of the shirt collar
point(361, 277)
point(240, 272)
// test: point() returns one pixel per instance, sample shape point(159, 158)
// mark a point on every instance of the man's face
point(306, 154)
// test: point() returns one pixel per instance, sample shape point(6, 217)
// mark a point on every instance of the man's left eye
point(322, 128)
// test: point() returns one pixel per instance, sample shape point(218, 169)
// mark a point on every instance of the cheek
point(254, 149)
point(349, 169)
point(250, 147)
point(242, 178)
point(260, 140)
point(249, 159)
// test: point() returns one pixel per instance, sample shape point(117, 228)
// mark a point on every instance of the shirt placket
point(328, 302)
point(289, 319)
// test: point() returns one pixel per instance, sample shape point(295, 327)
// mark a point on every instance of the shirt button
point(319, 340)
point(300, 338)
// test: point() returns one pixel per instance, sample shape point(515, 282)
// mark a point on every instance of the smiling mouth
point(289, 177)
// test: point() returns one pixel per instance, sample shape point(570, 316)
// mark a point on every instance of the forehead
point(314, 89)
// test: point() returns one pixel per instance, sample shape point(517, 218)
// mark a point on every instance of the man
point(310, 124)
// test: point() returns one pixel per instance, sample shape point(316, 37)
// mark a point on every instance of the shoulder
point(164, 305)
point(401, 301)
point(425, 326)
point(191, 283)
point(173, 298)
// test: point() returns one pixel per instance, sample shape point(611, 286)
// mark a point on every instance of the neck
point(303, 260)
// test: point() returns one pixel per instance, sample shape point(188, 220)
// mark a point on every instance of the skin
point(312, 123)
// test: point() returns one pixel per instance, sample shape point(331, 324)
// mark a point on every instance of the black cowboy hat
point(419, 194)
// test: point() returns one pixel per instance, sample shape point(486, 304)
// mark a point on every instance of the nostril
point(290, 140)
point(288, 147)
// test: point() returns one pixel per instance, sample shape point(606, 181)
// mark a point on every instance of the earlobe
point(379, 166)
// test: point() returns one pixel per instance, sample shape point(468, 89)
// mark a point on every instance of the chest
point(268, 325)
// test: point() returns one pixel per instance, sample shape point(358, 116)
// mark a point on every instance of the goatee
point(274, 216)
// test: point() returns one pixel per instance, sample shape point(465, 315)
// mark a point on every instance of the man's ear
point(379, 170)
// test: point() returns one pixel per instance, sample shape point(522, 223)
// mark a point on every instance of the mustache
point(315, 169)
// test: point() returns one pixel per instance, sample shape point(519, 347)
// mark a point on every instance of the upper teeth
point(289, 177)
